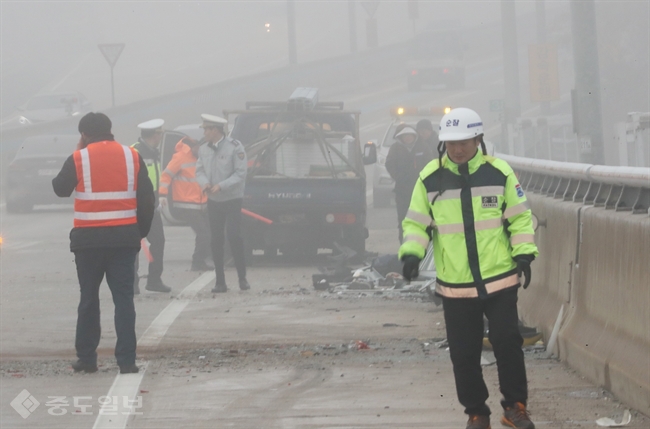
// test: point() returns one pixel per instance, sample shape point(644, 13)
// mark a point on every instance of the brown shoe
point(517, 417)
point(478, 422)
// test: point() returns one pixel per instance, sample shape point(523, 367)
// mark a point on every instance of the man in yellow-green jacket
point(474, 210)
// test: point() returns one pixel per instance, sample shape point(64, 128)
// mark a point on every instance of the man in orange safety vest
point(188, 199)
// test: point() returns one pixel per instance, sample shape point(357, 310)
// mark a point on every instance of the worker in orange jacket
point(188, 199)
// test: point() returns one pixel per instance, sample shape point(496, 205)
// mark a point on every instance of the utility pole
point(587, 104)
point(545, 106)
point(352, 14)
point(291, 30)
point(512, 107)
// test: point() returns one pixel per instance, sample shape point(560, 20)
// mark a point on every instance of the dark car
point(29, 176)
point(49, 107)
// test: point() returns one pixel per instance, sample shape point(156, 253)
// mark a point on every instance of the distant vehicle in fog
point(29, 176)
point(49, 107)
point(437, 58)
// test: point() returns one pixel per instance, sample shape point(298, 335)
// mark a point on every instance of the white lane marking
point(369, 197)
point(158, 328)
point(125, 386)
point(125, 390)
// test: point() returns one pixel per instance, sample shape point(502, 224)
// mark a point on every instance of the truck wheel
point(380, 199)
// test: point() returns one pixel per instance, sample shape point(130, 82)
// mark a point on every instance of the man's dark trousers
point(118, 266)
point(198, 220)
point(464, 320)
point(226, 216)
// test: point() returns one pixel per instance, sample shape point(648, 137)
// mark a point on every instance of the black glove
point(411, 269)
point(523, 267)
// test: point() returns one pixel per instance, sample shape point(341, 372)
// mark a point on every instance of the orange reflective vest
point(180, 173)
point(107, 175)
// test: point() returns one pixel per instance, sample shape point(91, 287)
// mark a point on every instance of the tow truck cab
point(305, 174)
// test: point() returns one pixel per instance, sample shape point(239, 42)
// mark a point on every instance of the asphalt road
point(281, 355)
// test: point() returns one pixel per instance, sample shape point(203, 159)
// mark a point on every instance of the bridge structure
point(591, 283)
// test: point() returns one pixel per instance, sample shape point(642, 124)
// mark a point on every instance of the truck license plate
point(291, 217)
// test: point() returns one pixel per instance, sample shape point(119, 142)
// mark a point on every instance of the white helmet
point(460, 124)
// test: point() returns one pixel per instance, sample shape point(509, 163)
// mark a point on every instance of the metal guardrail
point(617, 188)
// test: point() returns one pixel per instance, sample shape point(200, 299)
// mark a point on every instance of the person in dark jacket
point(427, 135)
point(405, 159)
point(106, 234)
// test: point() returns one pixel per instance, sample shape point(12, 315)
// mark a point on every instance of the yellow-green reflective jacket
point(151, 158)
point(479, 220)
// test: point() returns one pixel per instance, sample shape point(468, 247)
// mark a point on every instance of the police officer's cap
point(152, 124)
point(211, 120)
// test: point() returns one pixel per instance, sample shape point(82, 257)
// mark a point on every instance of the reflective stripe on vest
point(190, 206)
point(472, 292)
point(106, 193)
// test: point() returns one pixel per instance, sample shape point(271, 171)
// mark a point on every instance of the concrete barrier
point(607, 336)
point(595, 262)
point(594, 244)
point(553, 269)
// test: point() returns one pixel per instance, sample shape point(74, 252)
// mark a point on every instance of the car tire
point(19, 206)
point(380, 199)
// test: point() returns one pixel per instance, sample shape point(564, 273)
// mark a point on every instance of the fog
point(175, 46)
point(171, 46)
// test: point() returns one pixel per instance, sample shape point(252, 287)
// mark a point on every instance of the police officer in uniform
point(406, 157)
point(473, 208)
point(106, 234)
point(221, 173)
point(150, 138)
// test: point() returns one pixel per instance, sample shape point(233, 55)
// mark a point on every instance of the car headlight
point(24, 121)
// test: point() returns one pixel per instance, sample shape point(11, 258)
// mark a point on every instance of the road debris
point(611, 423)
point(342, 280)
